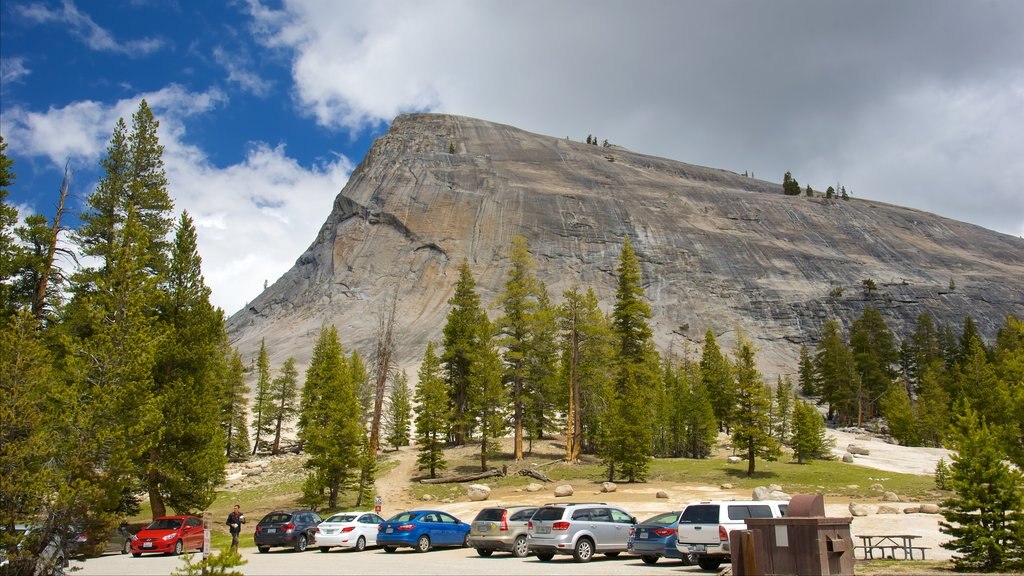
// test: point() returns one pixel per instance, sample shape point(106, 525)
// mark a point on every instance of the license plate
point(543, 529)
point(147, 544)
point(643, 533)
point(328, 531)
point(483, 529)
point(271, 530)
point(389, 530)
point(699, 548)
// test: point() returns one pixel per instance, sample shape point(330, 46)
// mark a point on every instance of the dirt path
point(393, 487)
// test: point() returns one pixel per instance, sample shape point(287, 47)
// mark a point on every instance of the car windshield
point(165, 524)
point(664, 518)
point(275, 518)
point(342, 518)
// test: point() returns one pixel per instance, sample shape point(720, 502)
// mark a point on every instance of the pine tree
point(700, 427)
point(752, 434)
point(875, 356)
point(808, 439)
point(398, 417)
point(519, 302)
point(262, 402)
point(1009, 365)
point(718, 381)
point(933, 406)
point(234, 402)
point(460, 344)
point(283, 398)
point(808, 384)
point(432, 416)
point(835, 373)
point(899, 415)
point(542, 369)
point(630, 433)
point(783, 409)
point(790, 187)
point(329, 425)
point(985, 517)
point(586, 349)
point(487, 397)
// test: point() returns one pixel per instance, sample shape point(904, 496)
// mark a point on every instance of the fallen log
point(462, 478)
point(534, 474)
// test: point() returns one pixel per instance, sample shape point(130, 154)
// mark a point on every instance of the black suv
point(289, 528)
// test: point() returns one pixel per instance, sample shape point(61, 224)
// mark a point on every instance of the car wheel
point(485, 552)
point(300, 543)
point(465, 540)
point(179, 547)
point(360, 544)
point(390, 549)
point(263, 549)
point(325, 548)
point(612, 554)
point(649, 559)
point(126, 547)
point(545, 556)
point(689, 560)
point(423, 544)
point(584, 550)
point(520, 548)
point(136, 554)
point(706, 563)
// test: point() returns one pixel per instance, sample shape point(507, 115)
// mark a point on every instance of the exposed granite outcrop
point(718, 250)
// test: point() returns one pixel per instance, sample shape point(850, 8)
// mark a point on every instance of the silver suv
point(704, 527)
point(501, 528)
point(580, 529)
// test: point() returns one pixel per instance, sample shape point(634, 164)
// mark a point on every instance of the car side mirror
point(632, 520)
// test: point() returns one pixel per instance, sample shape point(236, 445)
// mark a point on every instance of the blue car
point(422, 530)
point(656, 537)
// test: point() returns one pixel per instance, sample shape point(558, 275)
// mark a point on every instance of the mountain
point(718, 250)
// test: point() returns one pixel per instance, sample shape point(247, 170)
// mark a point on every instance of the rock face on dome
point(717, 249)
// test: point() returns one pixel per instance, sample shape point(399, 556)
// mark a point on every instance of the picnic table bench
point(889, 546)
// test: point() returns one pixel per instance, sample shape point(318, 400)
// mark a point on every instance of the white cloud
point(239, 69)
point(844, 95)
point(254, 218)
point(80, 25)
point(12, 70)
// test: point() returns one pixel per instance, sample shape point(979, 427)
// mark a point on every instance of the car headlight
point(170, 536)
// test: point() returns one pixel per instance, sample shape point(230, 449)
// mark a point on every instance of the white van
point(704, 527)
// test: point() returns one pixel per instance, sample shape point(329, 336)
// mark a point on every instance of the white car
point(348, 530)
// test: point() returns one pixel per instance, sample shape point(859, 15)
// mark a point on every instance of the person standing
point(235, 521)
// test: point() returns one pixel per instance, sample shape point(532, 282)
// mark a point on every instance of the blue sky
point(266, 107)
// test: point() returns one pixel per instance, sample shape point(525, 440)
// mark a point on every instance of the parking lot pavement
point(374, 561)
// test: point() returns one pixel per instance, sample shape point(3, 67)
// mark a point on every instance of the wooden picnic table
point(882, 546)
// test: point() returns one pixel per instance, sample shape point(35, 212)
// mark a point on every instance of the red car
point(169, 535)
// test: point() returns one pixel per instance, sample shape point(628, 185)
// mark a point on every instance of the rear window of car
point(664, 519)
point(275, 518)
point(549, 513)
point(404, 516)
point(490, 514)
point(523, 515)
point(341, 518)
point(700, 514)
point(742, 512)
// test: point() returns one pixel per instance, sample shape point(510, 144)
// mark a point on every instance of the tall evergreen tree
point(807, 381)
point(752, 433)
point(487, 394)
point(586, 347)
point(187, 463)
point(718, 381)
point(461, 343)
point(262, 403)
point(808, 439)
point(519, 303)
point(329, 424)
point(542, 369)
point(875, 357)
point(9, 249)
point(432, 416)
point(283, 401)
point(398, 417)
point(234, 404)
point(637, 372)
point(835, 373)
point(700, 427)
point(985, 516)
point(783, 412)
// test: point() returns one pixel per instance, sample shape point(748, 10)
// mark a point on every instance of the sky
point(265, 108)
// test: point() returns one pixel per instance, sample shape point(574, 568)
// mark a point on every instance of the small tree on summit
point(790, 187)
